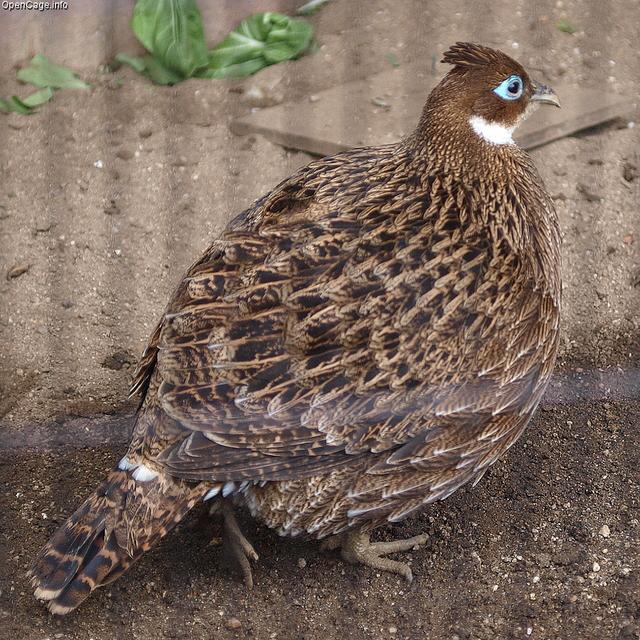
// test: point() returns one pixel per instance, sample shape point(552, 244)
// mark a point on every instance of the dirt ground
point(107, 196)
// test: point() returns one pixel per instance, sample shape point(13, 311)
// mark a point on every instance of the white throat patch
point(491, 132)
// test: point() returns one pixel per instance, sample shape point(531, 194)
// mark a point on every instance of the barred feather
point(360, 342)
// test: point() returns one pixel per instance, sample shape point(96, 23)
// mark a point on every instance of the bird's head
point(489, 91)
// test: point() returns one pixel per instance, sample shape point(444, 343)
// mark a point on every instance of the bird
point(359, 343)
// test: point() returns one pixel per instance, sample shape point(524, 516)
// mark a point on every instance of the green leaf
point(172, 32)
point(565, 27)
point(311, 7)
point(44, 73)
point(38, 98)
point(14, 105)
point(133, 61)
point(159, 73)
point(240, 70)
point(259, 41)
point(26, 106)
point(150, 67)
point(392, 59)
point(19, 107)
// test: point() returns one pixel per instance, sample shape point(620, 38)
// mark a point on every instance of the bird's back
point(372, 310)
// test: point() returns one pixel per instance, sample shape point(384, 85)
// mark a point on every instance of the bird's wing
point(331, 322)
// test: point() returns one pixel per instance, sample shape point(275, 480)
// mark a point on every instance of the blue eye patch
point(510, 89)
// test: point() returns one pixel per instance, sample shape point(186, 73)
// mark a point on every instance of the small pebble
point(596, 567)
point(116, 361)
point(124, 153)
point(263, 96)
point(112, 208)
point(380, 102)
point(233, 623)
point(181, 161)
point(629, 172)
point(17, 270)
point(302, 563)
point(98, 164)
point(605, 532)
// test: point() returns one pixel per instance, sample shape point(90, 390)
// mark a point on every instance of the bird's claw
point(356, 548)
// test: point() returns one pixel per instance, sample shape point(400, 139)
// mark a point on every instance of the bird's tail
point(124, 517)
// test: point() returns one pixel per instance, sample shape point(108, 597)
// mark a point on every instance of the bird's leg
point(235, 543)
point(356, 548)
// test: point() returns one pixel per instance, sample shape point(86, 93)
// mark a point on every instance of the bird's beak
point(542, 93)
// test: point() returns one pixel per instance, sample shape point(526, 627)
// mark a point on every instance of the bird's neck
point(501, 181)
point(449, 137)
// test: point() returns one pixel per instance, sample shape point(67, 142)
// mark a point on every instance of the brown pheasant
point(360, 342)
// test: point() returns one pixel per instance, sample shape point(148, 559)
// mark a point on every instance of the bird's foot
point(235, 544)
point(356, 548)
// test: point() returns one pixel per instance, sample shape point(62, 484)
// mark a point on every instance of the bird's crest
point(469, 54)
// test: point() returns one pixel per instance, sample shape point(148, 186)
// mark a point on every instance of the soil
point(108, 195)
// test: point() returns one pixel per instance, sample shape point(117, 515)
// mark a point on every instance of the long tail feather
point(117, 523)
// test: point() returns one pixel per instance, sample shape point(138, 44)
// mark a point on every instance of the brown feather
point(113, 527)
point(360, 342)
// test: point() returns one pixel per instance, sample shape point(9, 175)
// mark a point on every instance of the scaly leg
point(235, 543)
point(357, 549)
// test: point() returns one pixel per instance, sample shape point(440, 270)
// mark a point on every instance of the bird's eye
point(510, 89)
